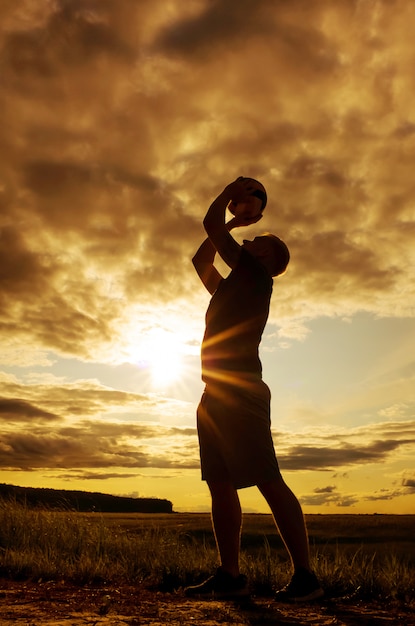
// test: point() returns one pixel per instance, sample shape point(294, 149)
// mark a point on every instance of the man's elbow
point(213, 231)
point(198, 264)
point(209, 224)
point(206, 224)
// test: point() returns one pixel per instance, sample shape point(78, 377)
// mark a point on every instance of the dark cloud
point(237, 23)
point(82, 400)
point(325, 458)
point(73, 34)
point(83, 437)
point(332, 497)
point(95, 476)
point(93, 440)
point(89, 449)
point(122, 121)
point(21, 269)
point(383, 494)
point(409, 484)
point(16, 410)
point(328, 489)
point(354, 264)
point(51, 178)
point(218, 25)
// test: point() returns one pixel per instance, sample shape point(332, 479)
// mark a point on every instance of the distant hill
point(83, 501)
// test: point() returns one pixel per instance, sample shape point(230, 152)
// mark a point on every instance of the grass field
point(370, 555)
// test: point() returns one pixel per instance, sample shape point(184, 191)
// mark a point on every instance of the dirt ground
point(59, 604)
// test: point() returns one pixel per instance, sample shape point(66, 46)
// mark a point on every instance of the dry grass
point(371, 554)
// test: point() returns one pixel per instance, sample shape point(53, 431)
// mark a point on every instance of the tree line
point(83, 501)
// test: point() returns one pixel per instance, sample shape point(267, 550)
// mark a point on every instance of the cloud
point(93, 429)
point(328, 489)
point(122, 121)
point(409, 484)
point(95, 476)
point(384, 494)
point(212, 29)
point(97, 446)
point(344, 500)
point(81, 399)
point(97, 429)
point(308, 457)
point(12, 409)
point(329, 497)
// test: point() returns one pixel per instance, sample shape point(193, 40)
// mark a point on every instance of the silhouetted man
point(233, 418)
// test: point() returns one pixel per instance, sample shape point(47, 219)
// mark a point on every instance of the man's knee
point(272, 486)
point(221, 488)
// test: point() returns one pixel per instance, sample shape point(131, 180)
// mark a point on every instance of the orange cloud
point(122, 121)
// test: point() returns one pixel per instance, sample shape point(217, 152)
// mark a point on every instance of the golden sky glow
point(121, 121)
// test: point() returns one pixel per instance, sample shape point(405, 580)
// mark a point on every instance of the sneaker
point(221, 585)
point(303, 587)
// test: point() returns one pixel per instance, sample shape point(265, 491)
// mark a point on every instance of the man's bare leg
point(289, 519)
point(227, 522)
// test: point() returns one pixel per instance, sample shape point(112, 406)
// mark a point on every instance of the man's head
point(270, 251)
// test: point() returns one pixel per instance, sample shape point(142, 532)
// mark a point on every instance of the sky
point(121, 121)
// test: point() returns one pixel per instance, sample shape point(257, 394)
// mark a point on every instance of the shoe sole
point(218, 595)
point(314, 595)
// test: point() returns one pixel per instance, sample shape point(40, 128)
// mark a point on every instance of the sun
point(161, 353)
point(165, 360)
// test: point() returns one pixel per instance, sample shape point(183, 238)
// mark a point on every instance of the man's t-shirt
point(235, 320)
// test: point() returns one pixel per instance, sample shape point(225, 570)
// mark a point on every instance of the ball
point(254, 205)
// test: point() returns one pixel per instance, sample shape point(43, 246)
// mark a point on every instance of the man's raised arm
point(219, 238)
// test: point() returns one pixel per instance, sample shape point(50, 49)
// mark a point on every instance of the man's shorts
point(235, 441)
